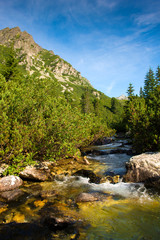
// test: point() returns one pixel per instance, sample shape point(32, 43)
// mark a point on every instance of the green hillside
point(47, 109)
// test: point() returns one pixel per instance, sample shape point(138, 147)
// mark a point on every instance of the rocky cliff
point(39, 61)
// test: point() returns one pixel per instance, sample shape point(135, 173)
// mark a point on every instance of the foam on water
point(126, 190)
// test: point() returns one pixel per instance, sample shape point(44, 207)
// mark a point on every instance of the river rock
point(9, 183)
point(48, 194)
point(57, 223)
point(143, 167)
point(88, 174)
point(35, 173)
point(86, 197)
point(11, 195)
point(91, 197)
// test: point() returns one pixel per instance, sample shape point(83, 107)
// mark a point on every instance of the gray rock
point(9, 183)
point(143, 167)
point(86, 197)
point(91, 197)
point(35, 173)
point(11, 195)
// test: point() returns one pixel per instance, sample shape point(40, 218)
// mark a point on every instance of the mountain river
point(128, 211)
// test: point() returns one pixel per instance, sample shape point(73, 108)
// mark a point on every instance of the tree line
point(142, 113)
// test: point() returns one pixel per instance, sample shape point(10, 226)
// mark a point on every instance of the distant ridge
point(122, 97)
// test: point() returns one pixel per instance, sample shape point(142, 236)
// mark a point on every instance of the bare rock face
point(35, 173)
point(34, 57)
point(9, 183)
point(21, 40)
point(143, 167)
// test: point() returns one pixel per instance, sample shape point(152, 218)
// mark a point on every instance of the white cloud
point(148, 18)
point(107, 3)
point(110, 87)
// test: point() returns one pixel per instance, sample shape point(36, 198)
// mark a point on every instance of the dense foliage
point(38, 121)
point(143, 114)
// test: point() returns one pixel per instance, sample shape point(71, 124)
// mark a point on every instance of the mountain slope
point(40, 62)
point(47, 109)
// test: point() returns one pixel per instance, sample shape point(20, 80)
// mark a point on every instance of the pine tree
point(130, 90)
point(149, 83)
point(158, 76)
point(141, 93)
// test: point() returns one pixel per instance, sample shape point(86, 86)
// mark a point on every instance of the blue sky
point(111, 42)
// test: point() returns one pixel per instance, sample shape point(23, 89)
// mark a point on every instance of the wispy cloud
point(148, 18)
point(110, 87)
point(108, 41)
point(107, 3)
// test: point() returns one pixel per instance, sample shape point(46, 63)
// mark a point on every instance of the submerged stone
point(47, 194)
point(91, 197)
point(40, 204)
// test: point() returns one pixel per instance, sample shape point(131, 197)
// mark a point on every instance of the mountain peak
point(40, 61)
point(20, 40)
point(122, 97)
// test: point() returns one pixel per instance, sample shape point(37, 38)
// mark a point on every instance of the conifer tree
point(158, 76)
point(149, 83)
point(141, 93)
point(130, 90)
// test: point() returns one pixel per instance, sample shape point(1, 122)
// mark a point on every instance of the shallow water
point(128, 211)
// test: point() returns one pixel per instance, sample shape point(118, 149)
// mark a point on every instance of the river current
point(129, 211)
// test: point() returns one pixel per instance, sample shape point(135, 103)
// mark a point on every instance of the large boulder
point(35, 173)
point(9, 183)
point(143, 167)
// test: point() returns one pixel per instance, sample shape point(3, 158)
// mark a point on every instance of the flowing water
point(127, 212)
